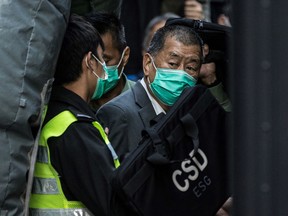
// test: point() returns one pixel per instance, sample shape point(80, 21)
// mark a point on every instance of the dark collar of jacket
point(62, 99)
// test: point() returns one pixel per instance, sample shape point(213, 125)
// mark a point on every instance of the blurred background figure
point(154, 24)
point(135, 15)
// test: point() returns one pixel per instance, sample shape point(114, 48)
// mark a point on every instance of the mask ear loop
point(122, 56)
point(97, 59)
point(121, 72)
point(152, 60)
point(121, 59)
point(103, 65)
point(90, 68)
point(153, 63)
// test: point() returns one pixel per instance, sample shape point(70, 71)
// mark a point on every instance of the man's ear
point(147, 64)
point(87, 59)
point(126, 56)
point(85, 62)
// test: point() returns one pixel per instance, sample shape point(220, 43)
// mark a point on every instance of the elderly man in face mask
point(172, 63)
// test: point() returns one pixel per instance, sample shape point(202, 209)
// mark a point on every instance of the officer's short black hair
point(80, 38)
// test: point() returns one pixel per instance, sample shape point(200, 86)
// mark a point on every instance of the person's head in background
point(154, 24)
point(115, 55)
point(172, 63)
point(77, 67)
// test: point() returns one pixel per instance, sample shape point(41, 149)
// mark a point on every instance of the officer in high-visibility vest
point(75, 159)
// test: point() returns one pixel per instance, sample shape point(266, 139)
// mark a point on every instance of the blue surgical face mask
point(100, 86)
point(113, 74)
point(168, 84)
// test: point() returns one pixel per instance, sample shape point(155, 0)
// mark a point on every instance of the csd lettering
point(189, 171)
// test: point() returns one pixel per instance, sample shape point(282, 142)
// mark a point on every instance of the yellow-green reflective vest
point(47, 197)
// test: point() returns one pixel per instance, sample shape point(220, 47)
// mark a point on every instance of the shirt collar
point(157, 108)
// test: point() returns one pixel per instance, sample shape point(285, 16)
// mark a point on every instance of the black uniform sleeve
point(85, 165)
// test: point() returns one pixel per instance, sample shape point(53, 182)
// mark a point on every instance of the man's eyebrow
point(173, 54)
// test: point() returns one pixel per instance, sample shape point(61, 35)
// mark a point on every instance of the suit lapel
point(146, 110)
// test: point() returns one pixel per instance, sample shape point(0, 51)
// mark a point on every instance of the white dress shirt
point(158, 109)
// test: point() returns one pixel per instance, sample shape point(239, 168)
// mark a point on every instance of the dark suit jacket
point(126, 116)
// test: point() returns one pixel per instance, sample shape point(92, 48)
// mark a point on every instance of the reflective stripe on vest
point(59, 212)
point(104, 136)
point(47, 197)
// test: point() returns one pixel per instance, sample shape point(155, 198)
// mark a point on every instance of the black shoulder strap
point(188, 124)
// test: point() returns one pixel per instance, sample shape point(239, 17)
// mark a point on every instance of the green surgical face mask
point(113, 74)
point(168, 84)
point(104, 85)
point(100, 86)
